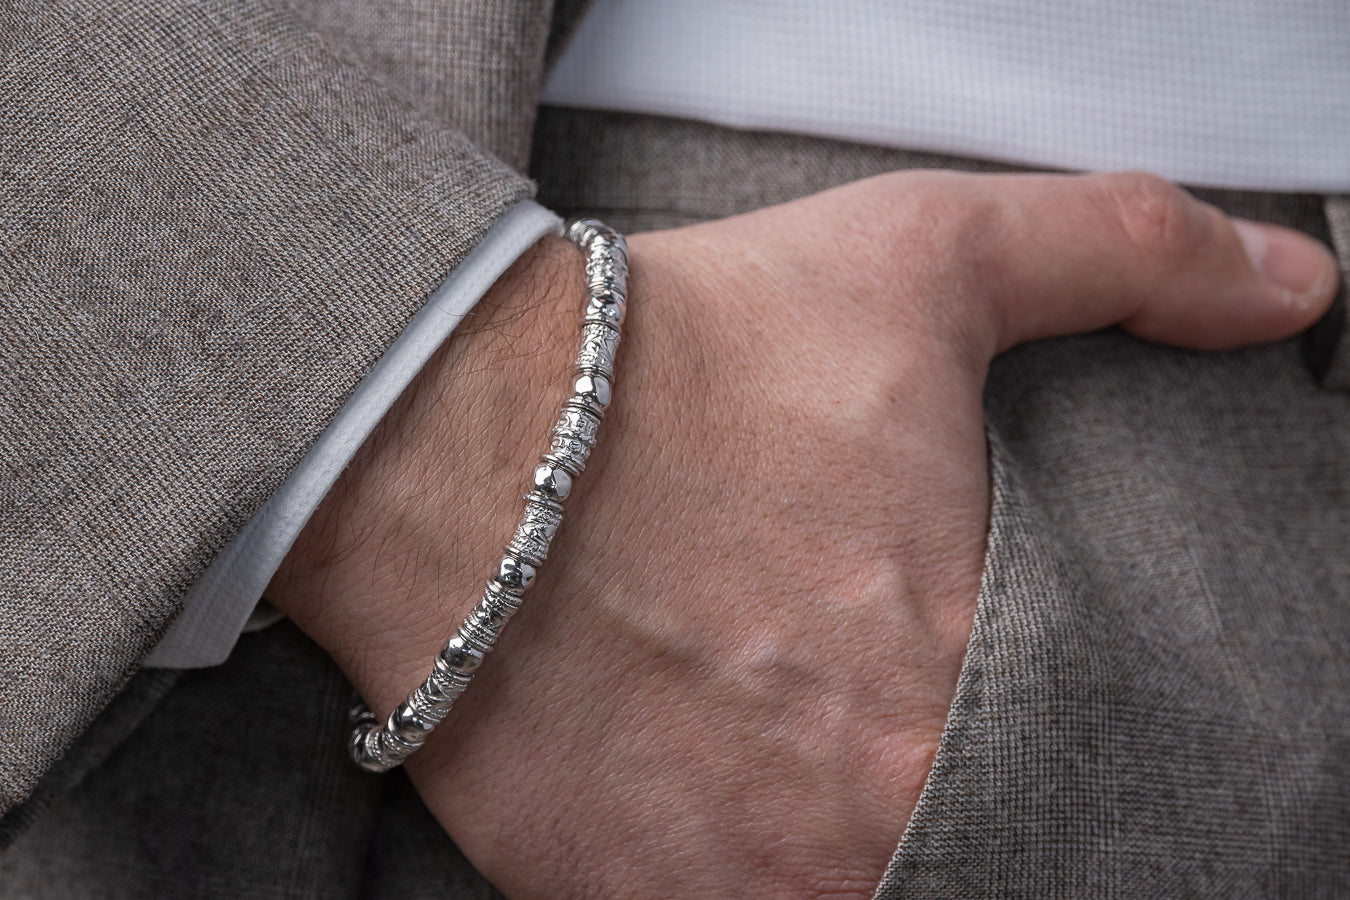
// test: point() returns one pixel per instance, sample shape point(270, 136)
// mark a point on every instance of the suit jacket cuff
point(219, 605)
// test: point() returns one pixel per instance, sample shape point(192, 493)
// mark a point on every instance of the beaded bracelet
point(378, 749)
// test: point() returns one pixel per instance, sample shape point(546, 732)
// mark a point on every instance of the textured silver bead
point(444, 685)
point(391, 748)
point(598, 346)
point(377, 748)
point(608, 248)
point(584, 231)
point(538, 524)
point(608, 308)
point(360, 714)
point(606, 272)
point(502, 599)
point(426, 704)
point(573, 437)
point(483, 626)
point(359, 747)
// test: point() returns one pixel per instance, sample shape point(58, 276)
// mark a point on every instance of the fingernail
point(1296, 263)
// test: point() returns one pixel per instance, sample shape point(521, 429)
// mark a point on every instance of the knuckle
point(1155, 217)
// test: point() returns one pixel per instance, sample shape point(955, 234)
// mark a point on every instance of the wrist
point(397, 552)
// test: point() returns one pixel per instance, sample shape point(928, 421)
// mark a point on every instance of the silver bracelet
point(378, 749)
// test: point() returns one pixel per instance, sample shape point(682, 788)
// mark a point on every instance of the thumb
point(1078, 253)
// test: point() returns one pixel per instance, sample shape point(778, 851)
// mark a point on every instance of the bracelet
point(378, 749)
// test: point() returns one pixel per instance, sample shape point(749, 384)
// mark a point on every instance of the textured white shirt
point(1233, 93)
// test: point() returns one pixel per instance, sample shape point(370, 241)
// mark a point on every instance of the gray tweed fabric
point(474, 66)
point(210, 227)
point(1156, 696)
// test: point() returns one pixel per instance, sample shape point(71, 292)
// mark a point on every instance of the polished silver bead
point(410, 725)
point(460, 657)
point(599, 342)
point(552, 481)
point(592, 391)
point(516, 575)
point(608, 308)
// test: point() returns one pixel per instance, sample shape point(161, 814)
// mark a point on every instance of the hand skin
point(733, 672)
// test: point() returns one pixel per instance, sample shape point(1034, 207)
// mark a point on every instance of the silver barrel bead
point(599, 343)
point(538, 524)
point(574, 435)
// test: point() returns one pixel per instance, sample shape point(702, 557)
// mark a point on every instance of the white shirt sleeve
point(219, 605)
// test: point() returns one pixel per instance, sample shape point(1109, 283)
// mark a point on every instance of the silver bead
point(444, 684)
point(607, 285)
point(392, 749)
point(598, 345)
point(553, 482)
point(360, 748)
point(428, 704)
point(360, 714)
point(584, 231)
point(379, 748)
point(608, 246)
point(407, 723)
point(592, 392)
point(573, 437)
point(538, 524)
point(483, 626)
point(494, 595)
point(606, 271)
point(460, 657)
point(517, 575)
point(581, 231)
point(608, 308)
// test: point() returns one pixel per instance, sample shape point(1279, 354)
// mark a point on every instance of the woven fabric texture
point(212, 221)
point(210, 227)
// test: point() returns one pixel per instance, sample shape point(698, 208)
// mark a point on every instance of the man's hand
point(732, 675)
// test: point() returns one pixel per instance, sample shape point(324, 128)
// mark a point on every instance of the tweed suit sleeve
point(214, 219)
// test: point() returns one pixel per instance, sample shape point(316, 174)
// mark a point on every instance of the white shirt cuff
point(219, 605)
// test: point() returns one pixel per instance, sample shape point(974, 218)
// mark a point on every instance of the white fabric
point(220, 604)
point(1236, 93)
